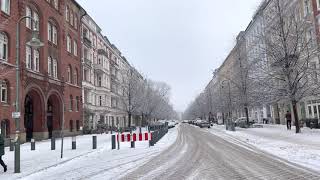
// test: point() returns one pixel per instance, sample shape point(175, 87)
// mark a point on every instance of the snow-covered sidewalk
point(84, 163)
point(302, 149)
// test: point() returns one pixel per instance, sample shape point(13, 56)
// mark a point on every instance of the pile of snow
point(84, 162)
point(302, 148)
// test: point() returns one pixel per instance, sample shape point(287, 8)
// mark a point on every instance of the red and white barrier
point(134, 137)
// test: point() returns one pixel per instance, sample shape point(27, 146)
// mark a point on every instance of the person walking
point(288, 117)
point(2, 153)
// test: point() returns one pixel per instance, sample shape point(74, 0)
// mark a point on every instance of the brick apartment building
point(50, 86)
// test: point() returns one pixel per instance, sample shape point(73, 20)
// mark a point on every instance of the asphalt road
point(198, 154)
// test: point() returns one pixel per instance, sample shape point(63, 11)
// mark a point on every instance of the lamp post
point(229, 104)
point(36, 43)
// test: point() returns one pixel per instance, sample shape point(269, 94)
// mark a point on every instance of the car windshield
point(159, 89)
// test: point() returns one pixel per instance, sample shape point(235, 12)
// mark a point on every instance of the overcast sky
point(179, 42)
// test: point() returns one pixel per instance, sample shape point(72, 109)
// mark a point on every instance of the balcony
point(87, 42)
point(87, 62)
point(102, 52)
point(98, 68)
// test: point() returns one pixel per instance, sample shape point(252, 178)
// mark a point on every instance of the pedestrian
point(2, 153)
point(288, 117)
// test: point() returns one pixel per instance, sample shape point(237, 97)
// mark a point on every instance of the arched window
point(36, 60)
point(55, 68)
point(75, 77)
point(50, 66)
point(28, 57)
point(36, 23)
point(49, 31)
point(71, 18)
point(28, 20)
point(75, 21)
point(32, 13)
point(54, 35)
point(56, 4)
point(5, 6)
point(67, 13)
point(75, 48)
point(3, 46)
point(3, 91)
point(69, 44)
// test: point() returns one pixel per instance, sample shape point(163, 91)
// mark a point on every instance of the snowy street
point(198, 154)
point(84, 162)
point(185, 152)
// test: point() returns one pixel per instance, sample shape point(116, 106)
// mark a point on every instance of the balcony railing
point(102, 52)
point(98, 68)
point(87, 42)
point(87, 62)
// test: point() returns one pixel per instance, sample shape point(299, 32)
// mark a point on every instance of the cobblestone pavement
point(198, 154)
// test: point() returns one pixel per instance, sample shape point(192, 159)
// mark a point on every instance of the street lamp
point(36, 43)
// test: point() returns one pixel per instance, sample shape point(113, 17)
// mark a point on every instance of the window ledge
point(6, 15)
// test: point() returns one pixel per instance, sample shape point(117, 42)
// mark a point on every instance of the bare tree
point(290, 49)
point(132, 88)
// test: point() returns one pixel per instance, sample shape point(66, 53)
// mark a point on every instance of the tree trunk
point(222, 118)
point(295, 114)
point(129, 117)
point(247, 114)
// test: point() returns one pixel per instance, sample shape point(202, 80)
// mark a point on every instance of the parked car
point(185, 121)
point(171, 124)
point(197, 122)
point(242, 122)
point(204, 124)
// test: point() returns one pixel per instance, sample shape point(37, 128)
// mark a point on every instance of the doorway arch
point(33, 113)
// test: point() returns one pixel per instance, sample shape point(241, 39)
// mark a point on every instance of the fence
point(158, 132)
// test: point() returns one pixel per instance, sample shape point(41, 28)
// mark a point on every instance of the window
point(5, 6)
point(67, 13)
point(71, 103)
point(75, 21)
point(100, 100)
point(55, 68)
point(36, 23)
point(71, 18)
point(69, 74)
point(69, 43)
point(3, 92)
point(99, 81)
point(28, 57)
point(318, 4)
point(77, 103)
point(36, 60)
point(55, 35)
point(307, 8)
point(49, 66)
point(75, 48)
point(56, 4)
point(52, 33)
point(49, 31)
point(3, 46)
point(75, 77)
point(28, 20)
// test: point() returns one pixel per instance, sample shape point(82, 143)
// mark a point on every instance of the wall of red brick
point(40, 82)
